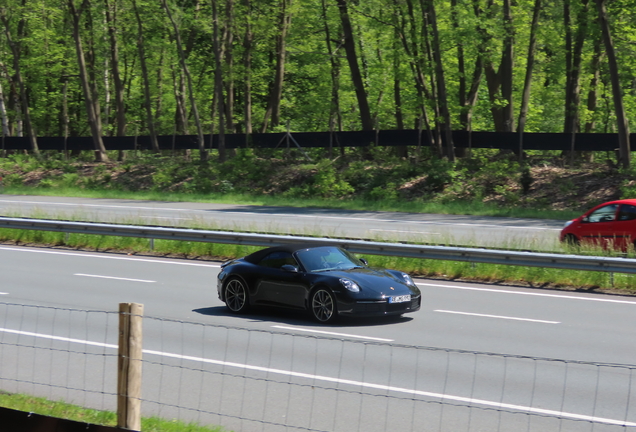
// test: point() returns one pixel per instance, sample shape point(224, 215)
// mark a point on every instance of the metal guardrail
point(474, 255)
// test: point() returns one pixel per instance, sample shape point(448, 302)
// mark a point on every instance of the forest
point(160, 67)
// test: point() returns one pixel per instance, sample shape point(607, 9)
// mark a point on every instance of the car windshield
point(327, 258)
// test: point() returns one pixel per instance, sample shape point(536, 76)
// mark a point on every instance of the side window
point(604, 214)
point(627, 212)
point(277, 260)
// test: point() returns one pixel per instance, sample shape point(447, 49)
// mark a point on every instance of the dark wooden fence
point(493, 140)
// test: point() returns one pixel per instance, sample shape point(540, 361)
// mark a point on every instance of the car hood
point(376, 280)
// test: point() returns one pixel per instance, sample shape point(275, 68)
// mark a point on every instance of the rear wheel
point(322, 305)
point(236, 296)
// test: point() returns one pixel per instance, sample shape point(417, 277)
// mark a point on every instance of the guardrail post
point(129, 366)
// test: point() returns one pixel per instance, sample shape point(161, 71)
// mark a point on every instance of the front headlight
point(408, 280)
point(350, 285)
point(568, 223)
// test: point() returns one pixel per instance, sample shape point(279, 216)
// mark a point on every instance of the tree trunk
point(352, 59)
point(574, 58)
point(433, 97)
point(500, 81)
point(334, 106)
point(92, 113)
point(467, 96)
point(248, 40)
point(3, 114)
point(111, 21)
point(218, 80)
point(400, 151)
point(275, 95)
point(525, 99)
point(621, 118)
point(186, 72)
point(146, 80)
point(228, 42)
point(181, 116)
point(592, 95)
point(441, 82)
point(24, 102)
point(417, 66)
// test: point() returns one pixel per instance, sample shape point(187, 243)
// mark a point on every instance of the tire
point(322, 306)
point(236, 296)
point(571, 240)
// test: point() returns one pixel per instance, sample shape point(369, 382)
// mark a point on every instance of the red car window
point(604, 214)
point(627, 212)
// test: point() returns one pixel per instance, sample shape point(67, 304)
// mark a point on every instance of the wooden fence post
point(129, 366)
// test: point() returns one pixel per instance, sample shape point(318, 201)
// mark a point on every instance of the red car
point(611, 225)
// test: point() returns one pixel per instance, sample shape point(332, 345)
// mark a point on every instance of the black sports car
point(325, 280)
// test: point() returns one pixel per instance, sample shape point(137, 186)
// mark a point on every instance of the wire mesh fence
point(263, 380)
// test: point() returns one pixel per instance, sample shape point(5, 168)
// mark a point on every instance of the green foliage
point(628, 186)
point(317, 90)
point(13, 180)
point(384, 193)
point(323, 181)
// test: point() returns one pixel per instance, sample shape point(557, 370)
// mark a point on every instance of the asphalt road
point(535, 234)
point(529, 326)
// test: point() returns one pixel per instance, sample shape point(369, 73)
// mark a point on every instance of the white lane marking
point(91, 205)
point(126, 258)
point(333, 334)
point(569, 297)
point(58, 338)
point(408, 232)
point(208, 211)
point(441, 396)
point(112, 277)
point(162, 217)
point(498, 316)
point(1, 293)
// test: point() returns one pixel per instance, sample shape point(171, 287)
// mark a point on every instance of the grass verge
point(68, 411)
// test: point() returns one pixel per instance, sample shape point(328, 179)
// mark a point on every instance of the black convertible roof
point(291, 248)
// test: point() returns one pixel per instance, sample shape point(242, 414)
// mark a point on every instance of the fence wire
point(261, 380)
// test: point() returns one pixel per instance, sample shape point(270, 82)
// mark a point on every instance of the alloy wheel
point(323, 306)
point(236, 296)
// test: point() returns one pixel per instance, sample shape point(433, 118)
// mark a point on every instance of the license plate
point(400, 299)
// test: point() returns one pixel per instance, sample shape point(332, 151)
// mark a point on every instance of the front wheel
point(236, 296)
point(322, 305)
point(571, 240)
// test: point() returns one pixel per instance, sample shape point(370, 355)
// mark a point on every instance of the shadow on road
point(301, 318)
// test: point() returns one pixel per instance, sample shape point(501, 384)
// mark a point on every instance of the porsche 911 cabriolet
point(327, 281)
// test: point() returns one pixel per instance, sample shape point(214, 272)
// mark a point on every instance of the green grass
point(68, 411)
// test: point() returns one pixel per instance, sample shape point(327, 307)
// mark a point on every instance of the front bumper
point(379, 308)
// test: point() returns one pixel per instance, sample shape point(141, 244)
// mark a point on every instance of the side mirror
point(365, 262)
point(585, 220)
point(289, 268)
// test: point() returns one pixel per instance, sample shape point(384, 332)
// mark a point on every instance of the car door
point(599, 226)
point(625, 226)
point(276, 286)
